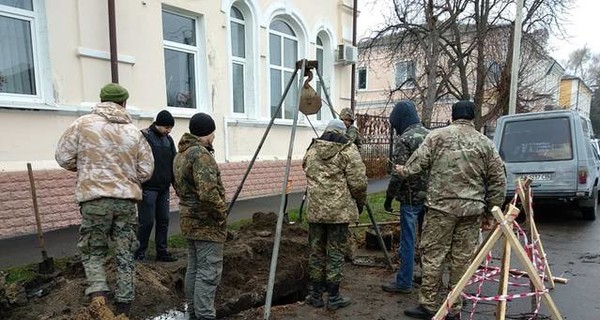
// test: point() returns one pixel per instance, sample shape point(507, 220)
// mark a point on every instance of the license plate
point(539, 176)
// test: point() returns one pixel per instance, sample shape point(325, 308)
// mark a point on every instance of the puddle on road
point(590, 258)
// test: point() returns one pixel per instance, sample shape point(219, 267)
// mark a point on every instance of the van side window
point(546, 139)
point(585, 127)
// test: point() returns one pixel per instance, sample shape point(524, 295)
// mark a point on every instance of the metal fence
point(377, 140)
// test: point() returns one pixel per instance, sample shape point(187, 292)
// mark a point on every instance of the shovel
point(47, 264)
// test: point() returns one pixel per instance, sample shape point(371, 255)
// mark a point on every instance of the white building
point(228, 58)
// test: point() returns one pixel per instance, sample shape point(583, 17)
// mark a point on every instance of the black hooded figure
point(411, 193)
point(403, 116)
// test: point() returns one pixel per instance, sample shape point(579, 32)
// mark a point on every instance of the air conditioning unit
point(347, 54)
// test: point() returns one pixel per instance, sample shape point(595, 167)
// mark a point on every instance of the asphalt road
point(573, 250)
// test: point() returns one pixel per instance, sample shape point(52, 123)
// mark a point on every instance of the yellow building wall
point(564, 99)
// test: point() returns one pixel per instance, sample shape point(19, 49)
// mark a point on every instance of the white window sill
point(81, 109)
point(233, 122)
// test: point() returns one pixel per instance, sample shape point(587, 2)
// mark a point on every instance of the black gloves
point(387, 205)
point(360, 207)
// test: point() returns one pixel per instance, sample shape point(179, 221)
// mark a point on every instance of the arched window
point(323, 56)
point(238, 59)
point(320, 60)
point(283, 54)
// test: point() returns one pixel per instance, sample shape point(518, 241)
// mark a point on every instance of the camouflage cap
point(114, 93)
point(347, 114)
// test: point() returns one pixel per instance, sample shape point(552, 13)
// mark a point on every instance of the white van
point(555, 149)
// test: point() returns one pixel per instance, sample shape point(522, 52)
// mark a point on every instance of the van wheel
point(589, 213)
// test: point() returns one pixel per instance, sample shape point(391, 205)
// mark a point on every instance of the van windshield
point(546, 139)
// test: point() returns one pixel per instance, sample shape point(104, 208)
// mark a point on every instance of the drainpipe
point(112, 38)
point(353, 83)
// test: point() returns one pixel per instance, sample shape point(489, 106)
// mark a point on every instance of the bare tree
point(457, 41)
point(585, 64)
point(414, 30)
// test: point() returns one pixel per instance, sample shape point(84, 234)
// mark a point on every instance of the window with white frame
point(493, 71)
point(238, 57)
point(181, 51)
point(319, 86)
point(361, 77)
point(283, 54)
point(19, 73)
point(405, 73)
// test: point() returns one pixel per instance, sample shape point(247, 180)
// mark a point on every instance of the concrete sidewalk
point(62, 242)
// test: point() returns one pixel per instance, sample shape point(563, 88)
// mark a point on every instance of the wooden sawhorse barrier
point(504, 231)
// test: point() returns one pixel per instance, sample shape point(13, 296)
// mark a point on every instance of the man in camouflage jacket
point(466, 180)
point(337, 185)
point(112, 159)
point(410, 192)
point(203, 214)
point(347, 116)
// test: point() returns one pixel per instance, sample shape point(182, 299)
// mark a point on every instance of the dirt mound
point(159, 285)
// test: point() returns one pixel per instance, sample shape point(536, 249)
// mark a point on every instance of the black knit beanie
point(463, 109)
point(201, 124)
point(165, 119)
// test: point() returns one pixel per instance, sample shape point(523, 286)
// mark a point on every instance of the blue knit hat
point(336, 125)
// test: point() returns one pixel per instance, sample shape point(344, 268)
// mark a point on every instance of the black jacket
point(163, 150)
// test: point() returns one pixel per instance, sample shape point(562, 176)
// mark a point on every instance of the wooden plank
point(555, 279)
point(503, 288)
point(362, 225)
point(483, 251)
point(534, 236)
point(523, 187)
point(542, 252)
point(524, 260)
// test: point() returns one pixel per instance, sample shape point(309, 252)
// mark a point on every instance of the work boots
point(335, 300)
point(123, 308)
point(315, 295)
point(98, 294)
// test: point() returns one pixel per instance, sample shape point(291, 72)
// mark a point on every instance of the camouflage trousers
point(445, 235)
point(328, 243)
point(107, 220)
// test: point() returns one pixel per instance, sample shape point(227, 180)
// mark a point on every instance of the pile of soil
point(159, 285)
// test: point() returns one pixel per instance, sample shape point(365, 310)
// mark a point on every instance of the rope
point(489, 273)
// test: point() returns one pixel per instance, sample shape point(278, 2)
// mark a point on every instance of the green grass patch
point(375, 201)
point(26, 273)
point(21, 274)
point(235, 226)
point(175, 241)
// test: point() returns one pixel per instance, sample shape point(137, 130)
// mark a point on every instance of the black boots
point(315, 295)
point(165, 257)
point(335, 300)
point(419, 312)
point(122, 308)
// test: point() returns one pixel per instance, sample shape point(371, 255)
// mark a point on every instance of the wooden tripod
point(504, 230)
